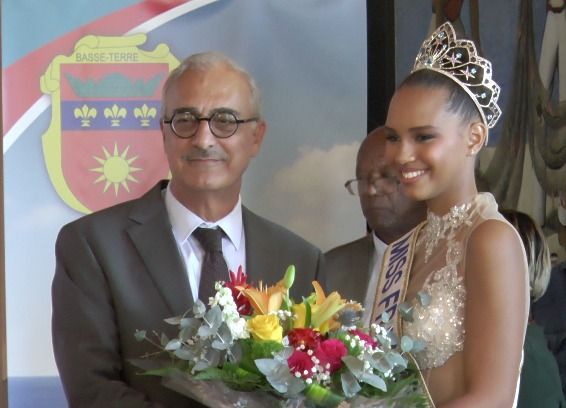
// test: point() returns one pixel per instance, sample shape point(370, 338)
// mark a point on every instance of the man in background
point(353, 269)
point(131, 266)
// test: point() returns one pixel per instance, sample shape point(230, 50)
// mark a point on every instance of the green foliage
point(233, 376)
point(254, 349)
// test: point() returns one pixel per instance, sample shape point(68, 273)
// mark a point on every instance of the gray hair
point(204, 61)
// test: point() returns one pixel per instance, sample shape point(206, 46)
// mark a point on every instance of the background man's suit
point(123, 263)
point(347, 268)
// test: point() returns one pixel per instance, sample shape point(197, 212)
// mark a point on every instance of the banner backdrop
point(81, 87)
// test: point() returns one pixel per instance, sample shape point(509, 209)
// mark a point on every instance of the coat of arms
point(104, 145)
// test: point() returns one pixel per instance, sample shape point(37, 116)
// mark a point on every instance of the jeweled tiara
point(458, 60)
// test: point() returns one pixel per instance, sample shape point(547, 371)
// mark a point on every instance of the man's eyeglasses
point(380, 186)
point(222, 124)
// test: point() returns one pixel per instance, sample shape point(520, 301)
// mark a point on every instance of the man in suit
point(353, 268)
point(130, 266)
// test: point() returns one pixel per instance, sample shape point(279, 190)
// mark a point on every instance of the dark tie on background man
point(214, 266)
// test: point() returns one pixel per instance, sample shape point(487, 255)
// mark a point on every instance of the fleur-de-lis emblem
point(115, 114)
point(85, 114)
point(145, 114)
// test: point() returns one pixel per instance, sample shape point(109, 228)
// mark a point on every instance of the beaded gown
point(438, 269)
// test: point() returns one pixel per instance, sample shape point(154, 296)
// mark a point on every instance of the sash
point(392, 287)
point(394, 278)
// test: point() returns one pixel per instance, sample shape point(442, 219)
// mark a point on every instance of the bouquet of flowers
point(255, 346)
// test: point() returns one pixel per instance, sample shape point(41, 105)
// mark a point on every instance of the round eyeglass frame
point(353, 187)
point(211, 121)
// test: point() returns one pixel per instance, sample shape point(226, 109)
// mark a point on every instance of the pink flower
point(300, 362)
point(364, 336)
point(304, 337)
point(239, 280)
point(331, 352)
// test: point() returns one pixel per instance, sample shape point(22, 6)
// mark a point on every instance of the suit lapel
point(152, 236)
point(367, 251)
point(254, 263)
point(261, 261)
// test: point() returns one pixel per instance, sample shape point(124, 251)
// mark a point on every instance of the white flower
point(238, 328)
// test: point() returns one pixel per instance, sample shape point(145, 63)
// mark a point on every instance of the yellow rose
point(265, 327)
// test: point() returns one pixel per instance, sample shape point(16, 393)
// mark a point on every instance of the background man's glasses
point(379, 186)
point(222, 124)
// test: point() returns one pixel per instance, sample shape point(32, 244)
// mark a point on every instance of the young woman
point(466, 256)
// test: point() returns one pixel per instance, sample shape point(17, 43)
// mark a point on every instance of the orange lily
point(264, 299)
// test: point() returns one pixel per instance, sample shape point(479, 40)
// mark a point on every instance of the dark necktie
point(214, 266)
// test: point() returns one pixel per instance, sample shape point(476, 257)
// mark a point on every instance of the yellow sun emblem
point(116, 169)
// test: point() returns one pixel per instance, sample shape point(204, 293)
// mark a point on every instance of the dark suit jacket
point(119, 270)
point(347, 268)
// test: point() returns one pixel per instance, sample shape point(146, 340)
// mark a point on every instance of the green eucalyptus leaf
point(354, 364)
point(173, 345)
point(140, 335)
point(393, 338)
point(396, 360)
point(187, 333)
point(199, 309)
point(213, 317)
point(279, 376)
point(202, 365)
point(406, 344)
point(385, 317)
point(214, 356)
point(380, 362)
point(206, 331)
point(188, 322)
point(174, 321)
point(385, 342)
point(350, 384)
point(406, 311)
point(184, 353)
point(424, 298)
point(374, 380)
point(223, 338)
point(418, 345)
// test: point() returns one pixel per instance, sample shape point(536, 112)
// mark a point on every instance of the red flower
point(239, 280)
point(300, 362)
point(307, 337)
point(364, 336)
point(331, 352)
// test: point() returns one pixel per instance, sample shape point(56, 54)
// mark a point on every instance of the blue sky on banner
point(49, 20)
point(309, 58)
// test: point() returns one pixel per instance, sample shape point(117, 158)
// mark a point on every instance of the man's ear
point(259, 133)
point(477, 136)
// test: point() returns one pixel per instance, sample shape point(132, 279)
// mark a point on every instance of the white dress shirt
point(184, 222)
point(375, 264)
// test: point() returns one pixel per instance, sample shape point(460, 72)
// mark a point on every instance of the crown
point(458, 60)
point(114, 85)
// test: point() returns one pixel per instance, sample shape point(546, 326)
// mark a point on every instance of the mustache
point(213, 153)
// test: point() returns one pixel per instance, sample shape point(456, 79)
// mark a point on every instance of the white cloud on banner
point(309, 197)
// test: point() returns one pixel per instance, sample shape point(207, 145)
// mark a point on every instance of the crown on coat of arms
point(114, 85)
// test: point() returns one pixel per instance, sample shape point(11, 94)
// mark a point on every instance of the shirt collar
point(378, 244)
point(184, 221)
